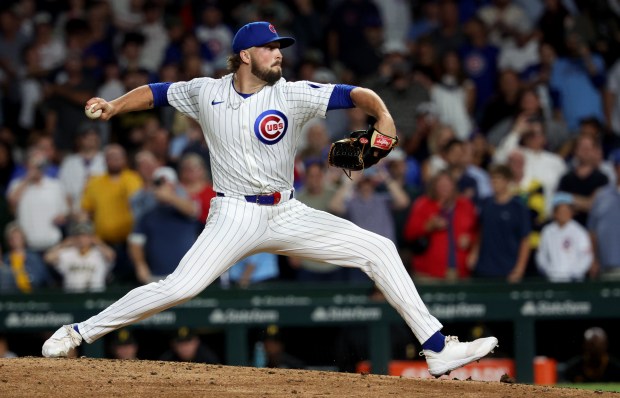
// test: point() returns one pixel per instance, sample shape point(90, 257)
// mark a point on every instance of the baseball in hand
point(93, 115)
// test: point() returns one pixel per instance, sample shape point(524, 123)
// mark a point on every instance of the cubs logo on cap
point(256, 34)
point(270, 126)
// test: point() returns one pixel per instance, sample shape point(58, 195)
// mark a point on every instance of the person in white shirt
point(77, 168)
point(82, 259)
point(39, 202)
point(528, 136)
point(565, 252)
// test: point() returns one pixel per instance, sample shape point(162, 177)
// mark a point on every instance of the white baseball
point(91, 114)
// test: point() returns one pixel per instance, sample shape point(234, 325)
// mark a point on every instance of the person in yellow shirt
point(106, 200)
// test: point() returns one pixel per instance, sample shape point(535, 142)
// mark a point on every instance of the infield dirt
point(83, 377)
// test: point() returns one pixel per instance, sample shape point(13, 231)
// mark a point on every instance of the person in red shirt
point(442, 224)
point(194, 178)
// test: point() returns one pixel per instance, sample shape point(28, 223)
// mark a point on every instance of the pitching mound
point(40, 377)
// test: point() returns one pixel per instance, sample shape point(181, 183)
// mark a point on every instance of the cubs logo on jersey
point(270, 126)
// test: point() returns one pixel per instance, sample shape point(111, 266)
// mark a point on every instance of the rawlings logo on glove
point(361, 150)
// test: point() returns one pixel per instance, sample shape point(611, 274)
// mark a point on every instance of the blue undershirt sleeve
point(160, 93)
point(341, 97)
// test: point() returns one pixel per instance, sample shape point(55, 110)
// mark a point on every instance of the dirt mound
point(40, 377)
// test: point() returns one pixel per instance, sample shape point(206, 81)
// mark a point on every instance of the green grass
point(615, 387)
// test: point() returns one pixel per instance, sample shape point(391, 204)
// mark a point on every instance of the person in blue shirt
point(253, 269)
point(578, 79)
point(479, 60)
point(165, 232)
point(503, 249)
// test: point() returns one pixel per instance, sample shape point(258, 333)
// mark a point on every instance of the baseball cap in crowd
point(81, 228)
point(123, 337)
point(183, 334)
point(562, 198)
point(256, 34)
point(614, 157)
point(166, 173)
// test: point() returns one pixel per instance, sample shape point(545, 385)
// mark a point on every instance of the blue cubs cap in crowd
point(256, 34)
point(562, 198)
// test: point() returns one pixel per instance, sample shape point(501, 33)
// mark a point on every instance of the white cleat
point(62, 341)
point(456, 354)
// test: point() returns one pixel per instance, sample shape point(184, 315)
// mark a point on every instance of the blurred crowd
point(508, 114)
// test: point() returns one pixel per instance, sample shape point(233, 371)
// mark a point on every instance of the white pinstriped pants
point(236, 229)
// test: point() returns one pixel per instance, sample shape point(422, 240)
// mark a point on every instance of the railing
point(235, 311)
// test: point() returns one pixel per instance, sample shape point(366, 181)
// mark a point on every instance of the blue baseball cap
point(256, 34)
point(562, 198)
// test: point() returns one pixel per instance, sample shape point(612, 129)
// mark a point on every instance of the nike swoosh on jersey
point(314, 85)
point(216, 102)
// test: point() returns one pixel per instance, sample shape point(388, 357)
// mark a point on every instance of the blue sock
point(76, 329)
point(435, 343)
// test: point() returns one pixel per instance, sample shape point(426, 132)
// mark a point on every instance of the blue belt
point(268, 199)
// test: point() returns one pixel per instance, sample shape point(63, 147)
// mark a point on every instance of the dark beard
point(266, 74)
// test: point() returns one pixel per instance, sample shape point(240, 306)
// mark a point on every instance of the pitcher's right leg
point(233, 230)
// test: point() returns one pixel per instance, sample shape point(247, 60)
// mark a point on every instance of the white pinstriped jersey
point(252, 140)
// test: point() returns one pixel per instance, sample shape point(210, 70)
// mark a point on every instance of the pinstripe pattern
point(298, 230)
point(245, 162)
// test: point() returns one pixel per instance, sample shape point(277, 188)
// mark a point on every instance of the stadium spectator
point(40, 204)
point(577, 78)
point(257, 268)
point(187, 347)
point(24, 270)
point(426, 121)
point(503, 18)
point(479, 59)
point(106, 200)
point(124, 345)
point(504, 103)
point(276, 356)
point(530, 108)
point(143, 200)
point(155, 36)
point(530, 137)
point(426, 24)
point(78, 167)
point(442, 224)
point(437, 142)
point(520, 49)
point(106, 197)
point(194, 178)
point(456, 160)
point(585, 179)
point(164, 232)
point(595, 364)
point(612, 98)
point(401, 93)
point(64, 102)
point(454, 95)
point(363, 204)
point(604, 227)
point(552, 23)
point(532, 194)
point(215, 34)
point(82, 260)
point(353, 21)
point(45, 146)
point(503, 248)
point(5, 351)
point(565, 251)
point(448, 36)
point(316, 193)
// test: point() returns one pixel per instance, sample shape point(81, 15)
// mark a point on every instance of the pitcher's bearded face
point(270, 74)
